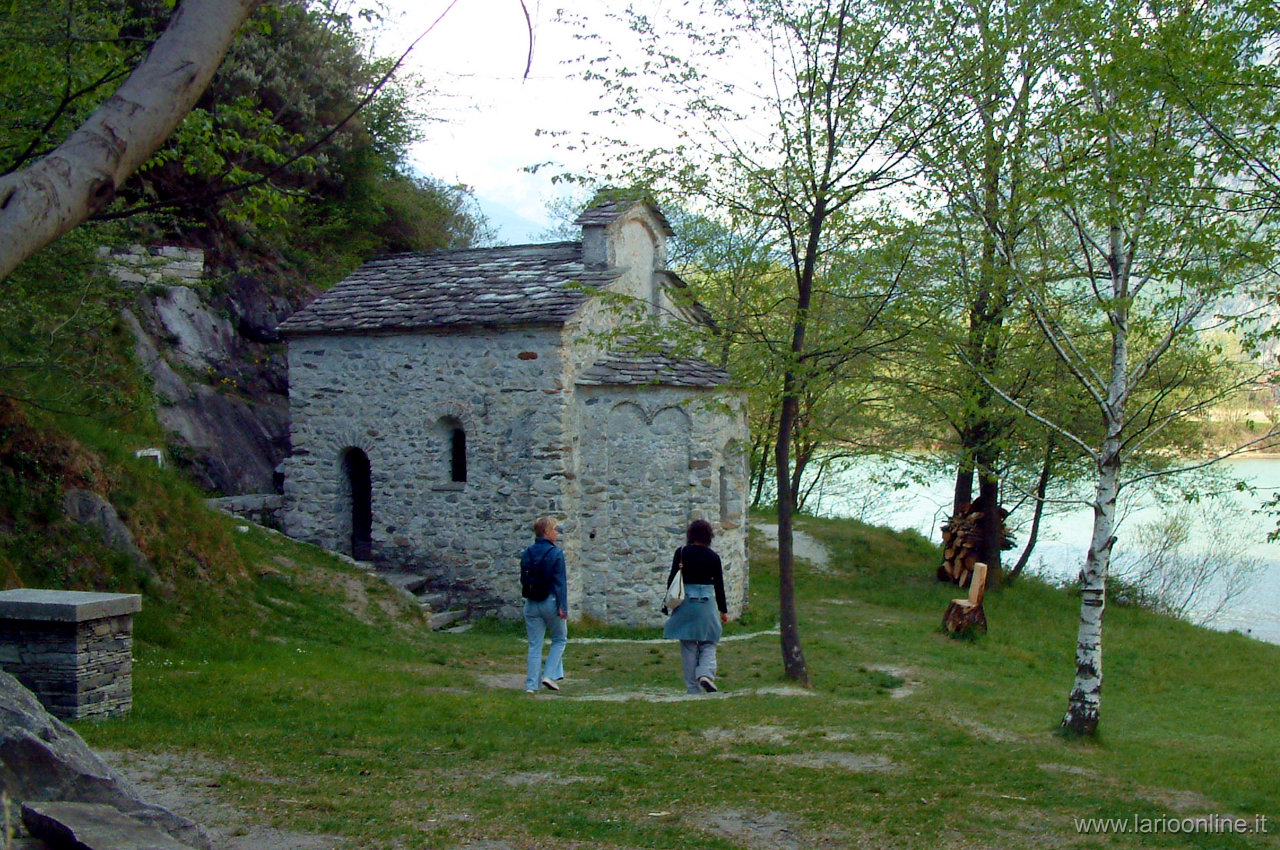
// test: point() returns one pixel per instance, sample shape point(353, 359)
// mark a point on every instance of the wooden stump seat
point(965, 616)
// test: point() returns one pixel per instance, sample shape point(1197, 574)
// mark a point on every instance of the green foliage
point(299, 141)
point(61, 61)
point(62, 344)
point(297, 149)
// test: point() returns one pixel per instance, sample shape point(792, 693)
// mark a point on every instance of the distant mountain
point(1263, 319)
point(511, 228)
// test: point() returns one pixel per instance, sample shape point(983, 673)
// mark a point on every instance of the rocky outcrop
point(88, 508)
point(43, 760)
point(218, 372)
point(93, 826)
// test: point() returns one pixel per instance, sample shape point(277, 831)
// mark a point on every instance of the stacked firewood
point(962, 543)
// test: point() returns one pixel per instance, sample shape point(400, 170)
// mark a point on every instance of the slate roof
point(623, 369)
point(604, 215)
point(518, 284)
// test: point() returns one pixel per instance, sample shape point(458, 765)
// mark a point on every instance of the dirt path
point(806, 547)
point(184, 783)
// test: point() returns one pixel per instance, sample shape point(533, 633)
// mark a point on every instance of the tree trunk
point(1042, 489)
point(761, 448)
point(793, 662)
point(964, 480)
point(79, 177)
point(1085, 702)
point(992, 527)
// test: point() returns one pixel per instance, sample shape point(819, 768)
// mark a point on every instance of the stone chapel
point(442, 401)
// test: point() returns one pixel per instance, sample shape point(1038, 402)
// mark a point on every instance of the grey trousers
point(697, 658)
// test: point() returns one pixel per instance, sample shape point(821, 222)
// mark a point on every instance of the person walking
point(695, 623)
point(544, 585)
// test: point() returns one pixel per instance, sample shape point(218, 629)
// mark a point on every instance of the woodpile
point(962, 544)
point(965, 617)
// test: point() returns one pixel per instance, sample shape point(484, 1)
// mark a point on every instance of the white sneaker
point(550, 685)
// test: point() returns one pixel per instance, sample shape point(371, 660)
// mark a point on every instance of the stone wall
point(263, 508)
point(167, 264)
point(73, 649)
point(651, 459)
point(398, 398)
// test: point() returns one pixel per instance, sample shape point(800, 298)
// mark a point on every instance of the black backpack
point(535, 577)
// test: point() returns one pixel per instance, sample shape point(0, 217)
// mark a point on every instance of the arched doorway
point(355, 463)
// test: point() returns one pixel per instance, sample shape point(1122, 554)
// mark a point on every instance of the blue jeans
point(697, 659)
point(539, 619)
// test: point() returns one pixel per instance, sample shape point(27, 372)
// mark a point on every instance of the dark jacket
point(542, 547)
point(701, 566)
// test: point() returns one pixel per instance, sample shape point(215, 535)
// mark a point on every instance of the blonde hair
point(543, 524)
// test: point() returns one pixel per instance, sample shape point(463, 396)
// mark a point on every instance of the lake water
point(880, 492)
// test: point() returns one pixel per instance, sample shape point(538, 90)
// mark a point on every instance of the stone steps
point(439, 608)
point(446, 618)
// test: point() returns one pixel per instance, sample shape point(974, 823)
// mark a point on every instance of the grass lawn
point(327, 707)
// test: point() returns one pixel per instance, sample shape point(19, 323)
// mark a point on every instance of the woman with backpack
point(695, 622)
point(544, 586)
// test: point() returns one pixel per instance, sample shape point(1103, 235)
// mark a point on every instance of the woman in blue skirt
point(696, 624)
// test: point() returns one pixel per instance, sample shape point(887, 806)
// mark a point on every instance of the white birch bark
point(1084, 704)
point(1085, 701)
point(79, 177)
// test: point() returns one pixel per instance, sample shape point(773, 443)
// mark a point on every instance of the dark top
point(555, 559)
point(701, 566)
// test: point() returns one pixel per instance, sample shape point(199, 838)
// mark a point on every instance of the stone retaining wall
point(263, 508)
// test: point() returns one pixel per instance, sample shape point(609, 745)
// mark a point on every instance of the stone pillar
point(73, 649)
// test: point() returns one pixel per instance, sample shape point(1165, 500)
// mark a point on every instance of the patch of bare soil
point(186, 783)
point(992, 733)
point(749, 735)
point(547, 777)
point(911, 682)
point(851, 762)
point(582, 691)
point(1191, 803)
point(669, 695)
point(1070, 770)
point(769, 831)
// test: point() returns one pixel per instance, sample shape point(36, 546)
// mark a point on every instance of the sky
point(488, 112)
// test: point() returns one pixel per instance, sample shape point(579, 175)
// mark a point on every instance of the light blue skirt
point(698, 618)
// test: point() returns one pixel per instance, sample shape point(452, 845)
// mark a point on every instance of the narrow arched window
point(355, 465)
point(449, 453)
point(458, 455)
point(726, 497)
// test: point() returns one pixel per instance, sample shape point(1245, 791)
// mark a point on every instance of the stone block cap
point(65, 606)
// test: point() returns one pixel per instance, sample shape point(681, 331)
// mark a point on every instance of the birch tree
point(1148, 202)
